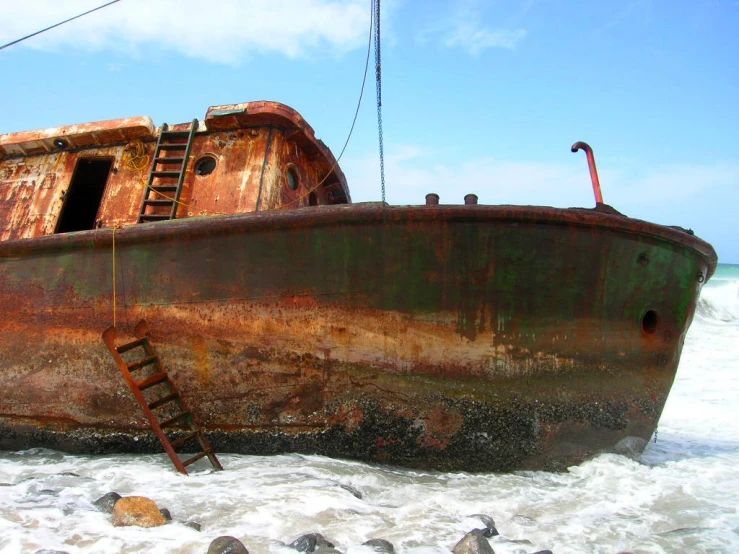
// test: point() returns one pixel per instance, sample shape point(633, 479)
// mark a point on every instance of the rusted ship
point(454, 337)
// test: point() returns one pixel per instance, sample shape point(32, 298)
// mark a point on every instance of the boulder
point(381, 546)
point(227, 545)
point(137, 510)
point(310, 542)
point(166, 514)
point(44, 551)
point(327, 550)
point(106, 502)
point(473, 542)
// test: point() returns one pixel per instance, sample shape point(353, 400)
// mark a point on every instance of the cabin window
point(205, 165)
point(292, 177)
point(84, 195)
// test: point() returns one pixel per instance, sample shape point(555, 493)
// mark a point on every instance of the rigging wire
point(374, 23)
point(356, 112)
point(378, 85)
point(361, 91)
point(57, 25)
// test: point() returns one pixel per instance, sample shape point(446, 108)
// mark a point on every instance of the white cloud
point(464, 28)
point(475, 39)
point(654, 193)
point(223, 31)
point(411, 173)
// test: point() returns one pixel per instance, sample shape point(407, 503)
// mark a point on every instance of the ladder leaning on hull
point(171, 398)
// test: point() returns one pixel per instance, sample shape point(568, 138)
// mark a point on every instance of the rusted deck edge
point(356, 214)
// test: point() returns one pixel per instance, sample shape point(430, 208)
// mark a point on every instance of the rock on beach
point(137, 510)
point(227, 545)
point(473, 542)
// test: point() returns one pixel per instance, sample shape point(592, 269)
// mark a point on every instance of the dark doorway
point(84, 195)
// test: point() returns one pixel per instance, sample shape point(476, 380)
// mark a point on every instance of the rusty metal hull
point(480, 338)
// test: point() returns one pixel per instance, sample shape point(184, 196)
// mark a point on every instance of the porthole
point(205, 165)
point(649, 322)
point(292, 177)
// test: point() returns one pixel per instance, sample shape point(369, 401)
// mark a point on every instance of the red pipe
point(593, 170)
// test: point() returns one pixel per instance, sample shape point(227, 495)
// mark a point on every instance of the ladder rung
point(151, 381)
point(158, 202)
point(177, 146)
point(183, 420)
point(164, 188)
point(142, 363)
point(175, 134)
point(168, 174)
point(163, 400)
point(169, 160)
point(174, 420)
point(131, 345)
point(183, 440)
point(194, 459)
point(153, 217)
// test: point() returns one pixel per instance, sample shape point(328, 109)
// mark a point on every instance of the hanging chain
point(378, 80)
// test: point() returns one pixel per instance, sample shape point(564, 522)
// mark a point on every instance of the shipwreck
point(453, 337)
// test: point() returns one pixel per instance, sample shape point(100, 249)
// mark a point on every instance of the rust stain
point(35, 173)
point(200, 360)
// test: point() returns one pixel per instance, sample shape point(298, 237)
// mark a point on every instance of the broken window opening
point(84, 195)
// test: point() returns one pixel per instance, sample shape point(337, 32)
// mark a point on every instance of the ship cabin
point(249, 157)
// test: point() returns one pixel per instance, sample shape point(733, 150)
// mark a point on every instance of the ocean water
point(681, 496)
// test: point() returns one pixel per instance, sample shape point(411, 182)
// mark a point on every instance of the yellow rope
point(114, 300)
point(135, 156)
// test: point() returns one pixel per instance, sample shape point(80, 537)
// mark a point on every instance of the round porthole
point(649, 322)
point(292, 177)
point(205, 165)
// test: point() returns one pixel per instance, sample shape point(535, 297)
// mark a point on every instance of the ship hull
point(478, 338)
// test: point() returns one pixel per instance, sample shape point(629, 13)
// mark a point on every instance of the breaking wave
point(720, 302)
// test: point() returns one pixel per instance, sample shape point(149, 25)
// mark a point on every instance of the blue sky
point(478, 96)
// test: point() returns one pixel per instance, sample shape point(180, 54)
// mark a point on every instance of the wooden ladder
point(167, 399)
point(162, 191)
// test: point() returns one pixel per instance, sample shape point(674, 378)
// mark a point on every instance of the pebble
point(381, 546)
point(193, 525)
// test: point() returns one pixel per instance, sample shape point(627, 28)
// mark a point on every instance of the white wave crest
point(720, 303)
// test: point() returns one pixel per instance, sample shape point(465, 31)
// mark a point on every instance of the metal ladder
point(164, 170)
point(168, 401)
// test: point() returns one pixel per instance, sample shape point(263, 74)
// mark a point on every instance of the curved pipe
point(593, 170)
